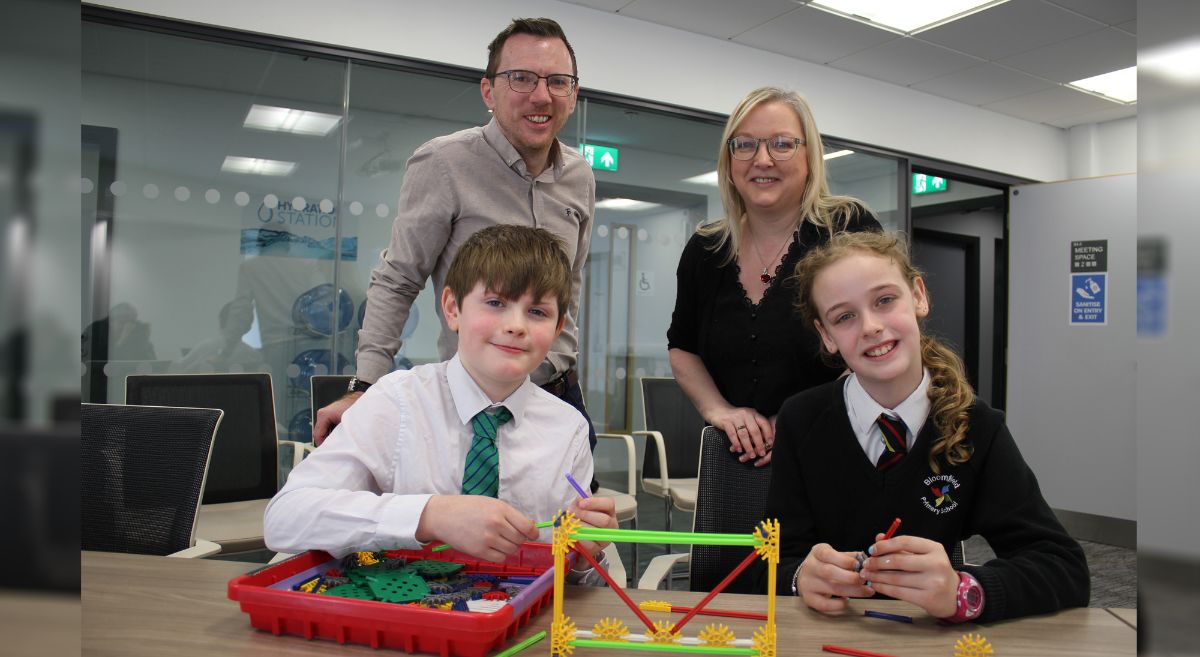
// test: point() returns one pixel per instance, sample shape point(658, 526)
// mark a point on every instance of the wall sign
point(1089, 282)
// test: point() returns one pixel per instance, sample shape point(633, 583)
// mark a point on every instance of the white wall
point(1102, 149)
point(1072, 394)
point(636, 58)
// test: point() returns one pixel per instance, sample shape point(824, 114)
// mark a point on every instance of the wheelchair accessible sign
point(1089, 282)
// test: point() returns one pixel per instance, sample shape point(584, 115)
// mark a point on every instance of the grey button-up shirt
point(454, 186)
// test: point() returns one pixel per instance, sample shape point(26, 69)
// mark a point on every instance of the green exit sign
point(926, 184)
point(601, 158)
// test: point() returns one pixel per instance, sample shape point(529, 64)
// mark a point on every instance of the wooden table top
point(163, 607)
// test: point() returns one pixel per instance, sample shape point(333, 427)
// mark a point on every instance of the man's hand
point(595, 512)
point(828, 578)
point(331, 416)
point(483, 527)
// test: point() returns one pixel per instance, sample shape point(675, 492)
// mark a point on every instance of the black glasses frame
point(508, 76)
point(759, 141)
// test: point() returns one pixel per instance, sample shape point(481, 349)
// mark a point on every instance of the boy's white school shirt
point(863, 410)
point(406, 439)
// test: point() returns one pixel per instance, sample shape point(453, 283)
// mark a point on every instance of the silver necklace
point(766, 276)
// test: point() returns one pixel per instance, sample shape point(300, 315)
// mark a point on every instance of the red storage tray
point(266, 595)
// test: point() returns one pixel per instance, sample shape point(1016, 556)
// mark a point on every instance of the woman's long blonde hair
point(950, 393)
point(826, 211)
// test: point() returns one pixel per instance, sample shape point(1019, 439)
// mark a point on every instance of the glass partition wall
point(246, 184)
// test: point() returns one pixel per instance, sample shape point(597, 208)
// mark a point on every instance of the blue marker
point(578, 488)
point(886, 616)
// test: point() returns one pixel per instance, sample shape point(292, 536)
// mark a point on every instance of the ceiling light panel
point(286, 119)
point(257, 166)
point(624, 204)
point(905, 16)
point(1120, 86)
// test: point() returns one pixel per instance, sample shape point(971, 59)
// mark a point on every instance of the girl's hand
point(750, 434)
point(915, 570)
point(827, 579)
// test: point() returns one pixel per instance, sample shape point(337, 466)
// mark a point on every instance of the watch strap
point(357, 385)
point(969, 599)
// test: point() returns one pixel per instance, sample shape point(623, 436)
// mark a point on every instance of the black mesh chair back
point(325, 389)
point(671, 413)
point(143, 471)
point(245, 458)
point(732, 499)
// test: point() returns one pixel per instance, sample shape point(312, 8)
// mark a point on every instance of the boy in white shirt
point(467, 451)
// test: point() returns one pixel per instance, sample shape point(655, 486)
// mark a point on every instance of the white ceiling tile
point(1013, 27)
point(983, 84)
point(814, 35)
point(905, 61)
point(1081, 57)
point(1128, 26)
point(1109, 12)
point(1050, 105)
point(1117, 112)
point(604, 5)
point(718, 18)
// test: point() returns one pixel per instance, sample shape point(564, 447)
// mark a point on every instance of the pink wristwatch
point(970, 599)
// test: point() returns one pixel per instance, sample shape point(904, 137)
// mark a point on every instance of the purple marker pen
point(578, 488)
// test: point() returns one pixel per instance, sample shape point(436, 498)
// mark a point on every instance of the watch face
point(974, 597)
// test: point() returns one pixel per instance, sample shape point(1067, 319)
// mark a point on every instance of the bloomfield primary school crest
point(941, 494)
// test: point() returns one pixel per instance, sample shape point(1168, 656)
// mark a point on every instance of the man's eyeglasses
point(558, 84)
point(778, 147)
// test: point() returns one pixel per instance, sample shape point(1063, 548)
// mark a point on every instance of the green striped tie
point(482, 474)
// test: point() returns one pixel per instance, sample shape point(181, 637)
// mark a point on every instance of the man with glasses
point(511, 171)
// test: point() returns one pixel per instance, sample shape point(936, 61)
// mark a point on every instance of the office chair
point(143, 473)
point(324, 389)
point(625, 502)
point(732, 500)
point(244, 472)
point(672, 451)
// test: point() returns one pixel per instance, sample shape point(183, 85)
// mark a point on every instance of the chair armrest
point(661, 446)
point(631, 459)
point(299, 450)
point(616, 569)
point(659, 569)
point(202, 548)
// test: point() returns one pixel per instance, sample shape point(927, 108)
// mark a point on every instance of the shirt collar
point(496, 139)
point(469, 399)
point(863, 410)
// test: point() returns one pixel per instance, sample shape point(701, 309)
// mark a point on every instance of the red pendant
point(765, 278)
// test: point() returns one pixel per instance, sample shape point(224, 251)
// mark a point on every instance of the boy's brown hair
point(510, 261)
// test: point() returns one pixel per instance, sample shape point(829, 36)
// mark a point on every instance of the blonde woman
point(736, 346)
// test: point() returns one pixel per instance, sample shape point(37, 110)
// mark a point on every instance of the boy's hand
point(595, 512)
point(330, 416)
point(483, 527)
point(827, 579)
point(915, 570)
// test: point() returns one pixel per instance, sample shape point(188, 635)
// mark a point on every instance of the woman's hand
point(750, 434)
point(827, 579)
point(915, 570)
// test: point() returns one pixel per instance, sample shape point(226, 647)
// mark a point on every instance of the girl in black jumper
point(938, 458)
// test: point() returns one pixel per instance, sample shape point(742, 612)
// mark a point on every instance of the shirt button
point(754, 361)
point(753, 336)
point(754, 380)
point(753, 315)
